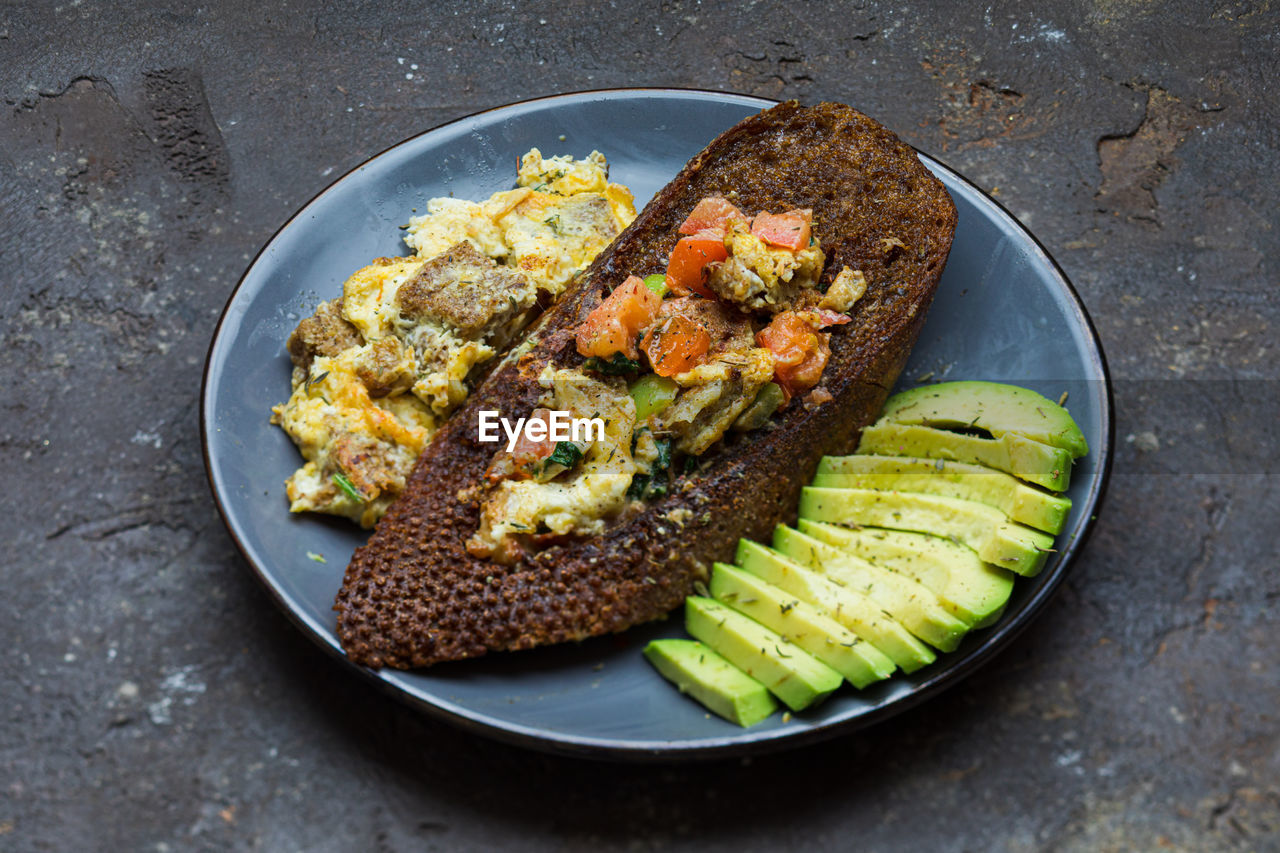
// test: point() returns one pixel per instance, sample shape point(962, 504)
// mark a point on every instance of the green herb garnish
point(663, 462)
point(656, 483)
point(616, 365)
point(566, 453)
point(340, 480)
point(313, 379)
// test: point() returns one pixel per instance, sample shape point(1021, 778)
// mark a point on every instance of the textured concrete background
point(153, 699)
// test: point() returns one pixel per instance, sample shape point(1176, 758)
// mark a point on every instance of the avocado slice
point(1022, 503)
point(906, 600)
point(991, 406)
point(790, 673)
point(971, 589)
point(849, 607)
point(824, 638)
point(706, 676)
point(1024, 458)
point(986, 530)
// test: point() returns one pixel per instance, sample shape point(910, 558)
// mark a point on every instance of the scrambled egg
point(759, 276)
point(847, 289)
point(578, 502)
point(712, 397)
point(550, 228)
point(368, 396)
point(359, 449)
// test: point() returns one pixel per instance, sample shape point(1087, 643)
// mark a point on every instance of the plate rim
point(739, 743)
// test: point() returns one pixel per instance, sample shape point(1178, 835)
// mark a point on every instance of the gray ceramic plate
point(1004, 311)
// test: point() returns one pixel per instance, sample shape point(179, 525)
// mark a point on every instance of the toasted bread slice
point(414, 596)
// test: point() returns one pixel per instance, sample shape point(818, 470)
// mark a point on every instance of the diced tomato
point(676, 344)
point(800, 352)
point(526, 454)
point(711, 214)
point(790, 230)
point(688, 260)
point(617, 321)
point(527, 450)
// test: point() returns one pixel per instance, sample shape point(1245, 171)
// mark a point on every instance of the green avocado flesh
point(907, 600)
point(999, 409)
point(790, 673)
point(986, 530)
point(1024, 458)
point(700, 672)
point(824, 638)
point(1022, 503)
point(971, 589)
point(847, 606)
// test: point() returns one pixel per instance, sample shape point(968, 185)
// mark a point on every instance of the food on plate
point(377, 370)
point(1021, 502)
point(988, 531)
point(902, 554)
point(973, 590)
point(796, 677)
point(991, 407)
point(702, 673)
point(852, 608)
point(748, 322)
point(913, 604)
point(1024, 458)
point(803, 624)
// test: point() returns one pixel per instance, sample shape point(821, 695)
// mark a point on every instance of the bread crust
point(412, 596)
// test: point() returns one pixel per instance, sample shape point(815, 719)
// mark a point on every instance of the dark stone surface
point(152, 696)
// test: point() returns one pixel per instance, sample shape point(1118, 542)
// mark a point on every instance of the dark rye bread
point(413, 595)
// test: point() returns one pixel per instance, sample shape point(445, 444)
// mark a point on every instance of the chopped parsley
point(656, 483)
point(566, 453)
point(340, 480)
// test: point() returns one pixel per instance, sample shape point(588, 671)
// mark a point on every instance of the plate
point(1004, 312)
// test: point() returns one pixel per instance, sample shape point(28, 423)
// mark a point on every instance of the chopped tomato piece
point(676, 344)
point(526, 449)
point(800, 352)
point(711, 214)
point(616, 322)
point(790, 230)
point(689, 259)
point(526, 454)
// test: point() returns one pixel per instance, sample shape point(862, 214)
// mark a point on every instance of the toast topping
point(724, 339)
point(537, 505)
point(762, 275)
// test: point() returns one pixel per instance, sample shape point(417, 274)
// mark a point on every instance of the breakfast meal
point(377, 370)
point(749, 322)
point(700, 395)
